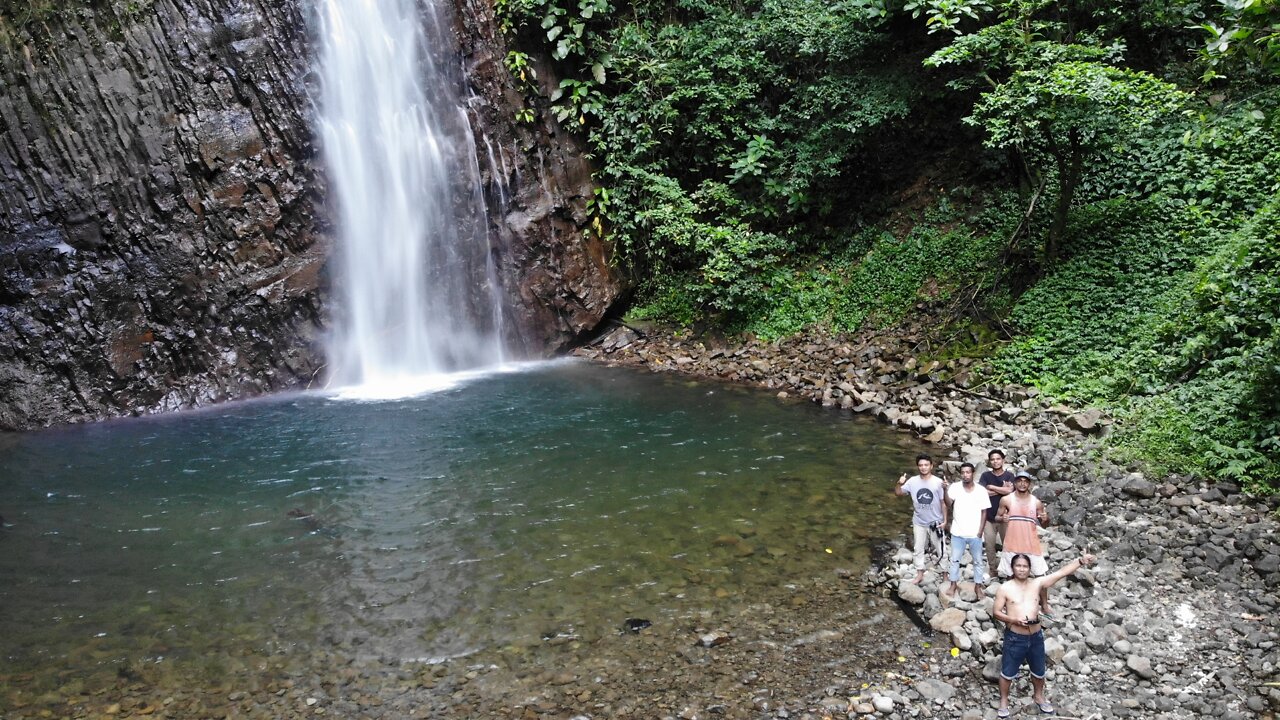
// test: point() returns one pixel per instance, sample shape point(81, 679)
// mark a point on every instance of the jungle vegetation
point(1094, 186)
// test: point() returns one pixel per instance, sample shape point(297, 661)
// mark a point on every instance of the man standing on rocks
point(969, 504)
point(1024, 514)
point(1017, 603)
point(998, 480)
point(930, 517)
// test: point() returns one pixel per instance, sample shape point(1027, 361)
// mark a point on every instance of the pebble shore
point(1176, 620)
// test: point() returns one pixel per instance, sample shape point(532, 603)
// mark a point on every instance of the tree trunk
point(1070, 167)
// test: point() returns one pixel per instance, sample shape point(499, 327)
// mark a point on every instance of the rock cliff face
point(163, 233)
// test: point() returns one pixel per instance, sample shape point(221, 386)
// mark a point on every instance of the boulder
point(1139, 488)
point(1085, 421)
point(911, 593)
point(1140, 666)
point(932, 689)
point(948, 620)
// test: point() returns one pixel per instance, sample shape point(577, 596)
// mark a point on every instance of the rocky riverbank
point(1177, 620)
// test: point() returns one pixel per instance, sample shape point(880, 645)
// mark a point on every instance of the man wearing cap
point(1023, 515)
point(998, 481)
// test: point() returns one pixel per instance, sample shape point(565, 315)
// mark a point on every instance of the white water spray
point(416, 283)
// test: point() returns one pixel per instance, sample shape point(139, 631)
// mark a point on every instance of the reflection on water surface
point(558, 500)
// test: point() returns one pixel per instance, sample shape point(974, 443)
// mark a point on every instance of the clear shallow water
point(562, 499)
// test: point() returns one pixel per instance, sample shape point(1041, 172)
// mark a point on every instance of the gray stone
point(1071, 660)
point(1085, 421)
point(1010, 414)
point(933, 689)
point(1268, 564)
point(911, 593)
point(1115, 632)
point(1054, 649)
point(1140, 488)
point(988, 637)
point(920, 424)
point(948, 620)
point(1140, 666)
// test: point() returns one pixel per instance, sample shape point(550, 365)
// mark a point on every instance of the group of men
point(996, 510)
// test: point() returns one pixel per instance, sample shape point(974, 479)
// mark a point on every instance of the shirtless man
point(1017, 605)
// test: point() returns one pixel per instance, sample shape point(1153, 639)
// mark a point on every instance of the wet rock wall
point(158, 234)
point(556, 271)
point(163, 236)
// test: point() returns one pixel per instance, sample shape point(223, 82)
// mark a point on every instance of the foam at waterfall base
point(399, 387)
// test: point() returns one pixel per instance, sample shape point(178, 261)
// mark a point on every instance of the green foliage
point(1167, 311)
point(1054, 95)
point(741, 147)
point(1085, 104)
point(724, 132)
point(1224, 353)
point(17, 14)
point(946, 14)
point(1247, 42)
point(870, 277)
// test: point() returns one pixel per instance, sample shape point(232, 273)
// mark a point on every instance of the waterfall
point(416, 285)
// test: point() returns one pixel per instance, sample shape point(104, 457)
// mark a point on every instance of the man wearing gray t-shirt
point(927, 493)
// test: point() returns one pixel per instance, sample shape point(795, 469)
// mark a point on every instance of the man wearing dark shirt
point(998, 480)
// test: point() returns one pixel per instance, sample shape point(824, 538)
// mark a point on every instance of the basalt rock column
point(158, 234)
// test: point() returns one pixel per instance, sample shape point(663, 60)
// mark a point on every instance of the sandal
point(1002, 712)
point(1046, 708)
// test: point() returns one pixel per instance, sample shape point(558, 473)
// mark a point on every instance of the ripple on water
point(473, 517)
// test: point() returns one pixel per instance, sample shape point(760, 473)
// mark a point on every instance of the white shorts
point(1038, 565)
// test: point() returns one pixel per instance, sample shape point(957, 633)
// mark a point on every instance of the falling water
point(416, 285)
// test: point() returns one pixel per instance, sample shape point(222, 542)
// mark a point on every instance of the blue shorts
point(1022, 647)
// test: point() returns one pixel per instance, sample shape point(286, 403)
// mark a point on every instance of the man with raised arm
point(926, 491)
point(1017, 606)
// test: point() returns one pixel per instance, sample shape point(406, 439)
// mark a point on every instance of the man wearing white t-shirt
point(926, 491)
point(969, 503)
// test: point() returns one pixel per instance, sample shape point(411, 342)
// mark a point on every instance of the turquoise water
point(560, 499)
